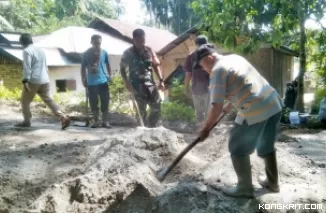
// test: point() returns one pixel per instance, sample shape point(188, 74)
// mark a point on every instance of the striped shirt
point(235, 79)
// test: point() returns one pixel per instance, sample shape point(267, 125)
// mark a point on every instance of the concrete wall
point(69, 73)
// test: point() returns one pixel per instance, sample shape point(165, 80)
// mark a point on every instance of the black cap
point(201, 39)
point(201, 52)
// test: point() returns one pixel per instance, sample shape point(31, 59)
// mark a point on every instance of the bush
point(177, 93)
point(285, 115)
point(119, 96)
point(320, 93)
point(174, 111)
point(15, 95)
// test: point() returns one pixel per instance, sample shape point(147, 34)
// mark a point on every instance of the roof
point(13, 37)
point(184, 36)
point(77, 40)
point(171, 45)
point(155, 38)
point(53, 56)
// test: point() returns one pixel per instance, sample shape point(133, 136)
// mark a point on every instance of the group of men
point(214, 77)
point(137, 66)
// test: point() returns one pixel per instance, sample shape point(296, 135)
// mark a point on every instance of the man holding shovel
point(96, 61)
point(141, 61)
point(259, 112)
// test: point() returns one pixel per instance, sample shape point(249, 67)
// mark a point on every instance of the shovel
point(86, 124)
point(137, 108)
point(160, 175)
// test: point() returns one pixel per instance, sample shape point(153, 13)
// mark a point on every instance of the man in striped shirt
point(259, 108)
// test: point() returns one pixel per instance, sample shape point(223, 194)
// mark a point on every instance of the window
point(65, 85)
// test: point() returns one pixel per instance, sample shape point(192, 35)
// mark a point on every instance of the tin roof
point(194, 30)
point(77, 40)
point(53, 56)
point(155, 38)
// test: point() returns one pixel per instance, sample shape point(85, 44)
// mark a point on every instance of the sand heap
point(113, 175)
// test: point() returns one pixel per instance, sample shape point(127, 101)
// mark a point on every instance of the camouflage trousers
point(145, 97)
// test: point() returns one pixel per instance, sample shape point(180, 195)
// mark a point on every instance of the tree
point(174, 14)
point(274, 21)
point(44, 16)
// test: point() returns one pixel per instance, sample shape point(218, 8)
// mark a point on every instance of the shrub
point(15, 95)
point(119, 96)
point(177, 93)
point(174, 111)
point(320, 93)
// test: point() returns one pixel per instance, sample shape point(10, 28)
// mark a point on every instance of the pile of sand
point(108, 171)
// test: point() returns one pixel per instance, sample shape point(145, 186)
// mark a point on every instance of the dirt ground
point(79, 170)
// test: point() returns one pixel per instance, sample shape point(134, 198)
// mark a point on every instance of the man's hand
point(161, 86)
point(204, 133)
point(26, 87)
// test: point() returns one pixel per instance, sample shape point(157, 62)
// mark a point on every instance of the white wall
point(73, 73)
point(65, 73)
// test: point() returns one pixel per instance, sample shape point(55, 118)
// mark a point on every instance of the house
point(275, 64)
point(63, 50)
point(11, 59)
point(155, 38)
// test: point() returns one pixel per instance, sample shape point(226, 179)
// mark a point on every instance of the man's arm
point(188, 74)
point(218, 94)
point(156, 66)
point(123, 70)
point(83, 70)
point(27, 64)
point(107, 62)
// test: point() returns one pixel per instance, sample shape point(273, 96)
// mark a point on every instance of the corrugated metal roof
point(155, 38)
point(53, 56)
point(12, 37)
point(77, 40)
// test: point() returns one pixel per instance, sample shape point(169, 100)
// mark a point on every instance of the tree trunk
point(303, 60)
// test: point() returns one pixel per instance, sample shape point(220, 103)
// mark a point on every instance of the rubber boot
point(271, 180)
point(242, 169)
point(105, 123)
point(96, 120)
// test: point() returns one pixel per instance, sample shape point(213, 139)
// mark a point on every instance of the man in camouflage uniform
point(141, 61)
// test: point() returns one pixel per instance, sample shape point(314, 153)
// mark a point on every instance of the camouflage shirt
point(139, 65)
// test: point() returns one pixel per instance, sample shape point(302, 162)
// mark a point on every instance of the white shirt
point(35, 67)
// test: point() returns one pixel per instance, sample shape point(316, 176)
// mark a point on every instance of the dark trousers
point(244, 139)
point(145, 97)
point(96, 91)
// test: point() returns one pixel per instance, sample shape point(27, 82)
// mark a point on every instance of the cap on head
point(201, 52)
point(26, 39)
point(138, 33)
point(201, 39)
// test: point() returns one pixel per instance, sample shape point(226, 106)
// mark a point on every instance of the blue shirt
point(102, 75)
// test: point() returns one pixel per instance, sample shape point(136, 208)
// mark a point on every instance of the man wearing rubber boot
point(96, 61)
point(259, 107)
point(137, 65)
